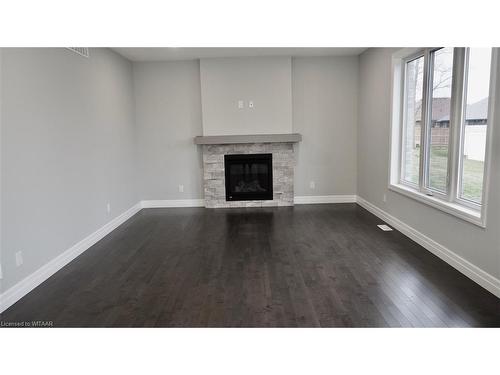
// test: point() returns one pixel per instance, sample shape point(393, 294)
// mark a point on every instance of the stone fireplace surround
point(280, 146)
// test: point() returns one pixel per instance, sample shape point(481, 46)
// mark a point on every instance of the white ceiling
point(168, 54)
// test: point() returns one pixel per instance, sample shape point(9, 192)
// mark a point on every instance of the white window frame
point(451, 202)
point(406, 60)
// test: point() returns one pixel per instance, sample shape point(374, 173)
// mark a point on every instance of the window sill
point(457, 210)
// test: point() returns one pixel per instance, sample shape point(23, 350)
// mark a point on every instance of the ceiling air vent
point(82, 51)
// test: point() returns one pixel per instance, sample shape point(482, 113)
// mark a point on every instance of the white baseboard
point(19, 290)
point(173, 203)
point(315, 199)
point(473, 272)
point(13, 294)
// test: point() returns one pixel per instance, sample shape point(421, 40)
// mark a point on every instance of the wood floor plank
point(303, 266)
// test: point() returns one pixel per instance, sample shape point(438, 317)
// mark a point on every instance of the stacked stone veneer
point(214, 175)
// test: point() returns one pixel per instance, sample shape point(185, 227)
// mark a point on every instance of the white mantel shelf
point(251, 138)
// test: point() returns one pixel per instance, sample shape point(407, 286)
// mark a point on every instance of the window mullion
point(461, 131)
point(424, 152)
point(402, 158)
point(456, 120)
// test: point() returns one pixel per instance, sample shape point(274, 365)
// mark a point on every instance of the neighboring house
point(476, 120)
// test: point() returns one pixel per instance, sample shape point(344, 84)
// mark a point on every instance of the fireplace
point(248, 177)
point(217, 154)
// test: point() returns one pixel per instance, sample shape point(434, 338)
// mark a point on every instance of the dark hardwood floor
point(306, 266)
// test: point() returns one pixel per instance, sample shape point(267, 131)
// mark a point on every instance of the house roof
point(441, 110)
point(477, 110)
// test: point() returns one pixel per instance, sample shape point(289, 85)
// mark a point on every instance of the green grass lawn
point(473, 180)
point(472, 176)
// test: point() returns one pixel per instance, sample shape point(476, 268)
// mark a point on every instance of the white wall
point(479, 246)
point(168, 117)
point(67, 149)
point(325, 96)
point(264, 80)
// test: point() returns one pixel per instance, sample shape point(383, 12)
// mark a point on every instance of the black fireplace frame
point(238, 158)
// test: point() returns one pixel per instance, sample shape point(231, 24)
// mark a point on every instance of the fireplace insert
point(249, 177)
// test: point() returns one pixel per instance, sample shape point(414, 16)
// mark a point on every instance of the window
point(414, 83)
point(475, 123)
point(440, 127)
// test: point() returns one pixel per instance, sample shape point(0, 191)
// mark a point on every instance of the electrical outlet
point(19, 258)
point(384, 198)
point(241, 104)
point(250, 104)
point(1, 273)
point(108, 207)
point(312, 185)
point(181, 188)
